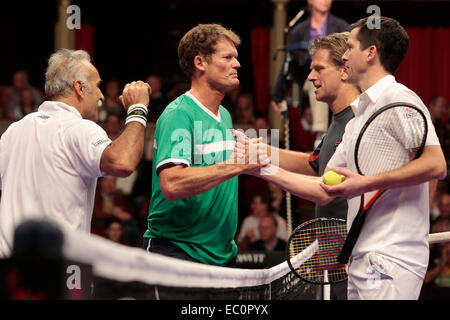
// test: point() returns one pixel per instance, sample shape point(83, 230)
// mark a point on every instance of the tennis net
point(120, 272)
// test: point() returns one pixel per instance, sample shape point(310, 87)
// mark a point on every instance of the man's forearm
point(123, 155)
point(430, 166)
point(293, 161)
point(303, 186)
point(182, 182)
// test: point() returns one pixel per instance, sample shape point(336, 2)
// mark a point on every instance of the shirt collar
point(209, 112)
point(376, 90)
point(372, 94)
point(354, 105)
point(50, 106)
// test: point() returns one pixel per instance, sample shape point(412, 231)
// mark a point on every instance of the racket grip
point(352, 237)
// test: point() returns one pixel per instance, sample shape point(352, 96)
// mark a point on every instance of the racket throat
point(372, 199)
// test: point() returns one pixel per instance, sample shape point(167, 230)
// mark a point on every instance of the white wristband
point(137, 112)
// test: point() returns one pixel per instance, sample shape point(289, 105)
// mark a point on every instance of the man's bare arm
point(303, 186)
point(123, 155)
point(430, 166)
point(293, 161)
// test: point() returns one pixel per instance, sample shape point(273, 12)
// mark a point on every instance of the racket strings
point(390, 140)
point(330, 237)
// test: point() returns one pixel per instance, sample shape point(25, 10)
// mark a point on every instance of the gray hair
point(64, 68)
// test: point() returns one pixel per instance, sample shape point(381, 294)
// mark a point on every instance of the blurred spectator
point(114, 230)
point(20, 83)
point(113, 126)
point(277, 197)
point(262, 128)
point(438, 111)
point(27, 103)
point(157, 99)
point(436, 284)
point(109, 202)
point(230, 102)
point(442, 223)
point(260, 207)
point(306, 136)
point(268, 229)
point(245, 109)
point(440, 188)
point(111, 104)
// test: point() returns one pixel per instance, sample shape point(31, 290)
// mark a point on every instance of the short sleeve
point(339, 158)
point(174, 139)
point(86, 143)
point(313, 159)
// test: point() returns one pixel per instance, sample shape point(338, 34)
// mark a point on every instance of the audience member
point(438, 111)
point(262, 128)
point(269, 241)
point(113, 126)
point(114, 230)
point(20, 83)
point(260, 207)
point(230, 101)
point(245, 110)
point(436, 284)
point(277, 197)
point(110, 202)
point(437, 189)
point(306, 135)
point(27, 103)
point(159, 100)
point(442, 223)
point(111, 104)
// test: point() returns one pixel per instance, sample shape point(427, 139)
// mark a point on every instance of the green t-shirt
point(204, 225)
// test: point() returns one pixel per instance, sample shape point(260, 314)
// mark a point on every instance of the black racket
point(393, 136)
point(312, 251)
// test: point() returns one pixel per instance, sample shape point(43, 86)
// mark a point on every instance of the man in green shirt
point(193, 208)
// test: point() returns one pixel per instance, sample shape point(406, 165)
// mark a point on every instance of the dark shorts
point(167, 248)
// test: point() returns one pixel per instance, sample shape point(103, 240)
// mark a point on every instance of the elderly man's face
point(93, 94)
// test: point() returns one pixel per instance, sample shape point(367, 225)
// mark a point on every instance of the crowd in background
point(121, 204)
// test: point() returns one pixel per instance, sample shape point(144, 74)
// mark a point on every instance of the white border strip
point(122, 263)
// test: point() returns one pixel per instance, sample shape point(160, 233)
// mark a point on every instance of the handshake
point(251, 154)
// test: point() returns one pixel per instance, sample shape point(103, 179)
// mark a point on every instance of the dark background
point(136, 37)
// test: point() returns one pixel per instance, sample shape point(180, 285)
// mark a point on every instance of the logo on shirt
point(99, 142)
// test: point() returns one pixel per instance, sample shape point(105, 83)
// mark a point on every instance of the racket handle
point(352, 237)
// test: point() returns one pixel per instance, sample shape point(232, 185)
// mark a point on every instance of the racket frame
point(288, 251)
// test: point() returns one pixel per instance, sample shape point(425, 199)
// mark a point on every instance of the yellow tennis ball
point(332, 178)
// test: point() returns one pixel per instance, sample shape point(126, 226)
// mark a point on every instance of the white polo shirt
point(49, 165)
point(397, 226)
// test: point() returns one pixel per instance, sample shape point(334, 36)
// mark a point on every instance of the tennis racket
point(318, 242)
point(393, 136)
point(314, 246)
